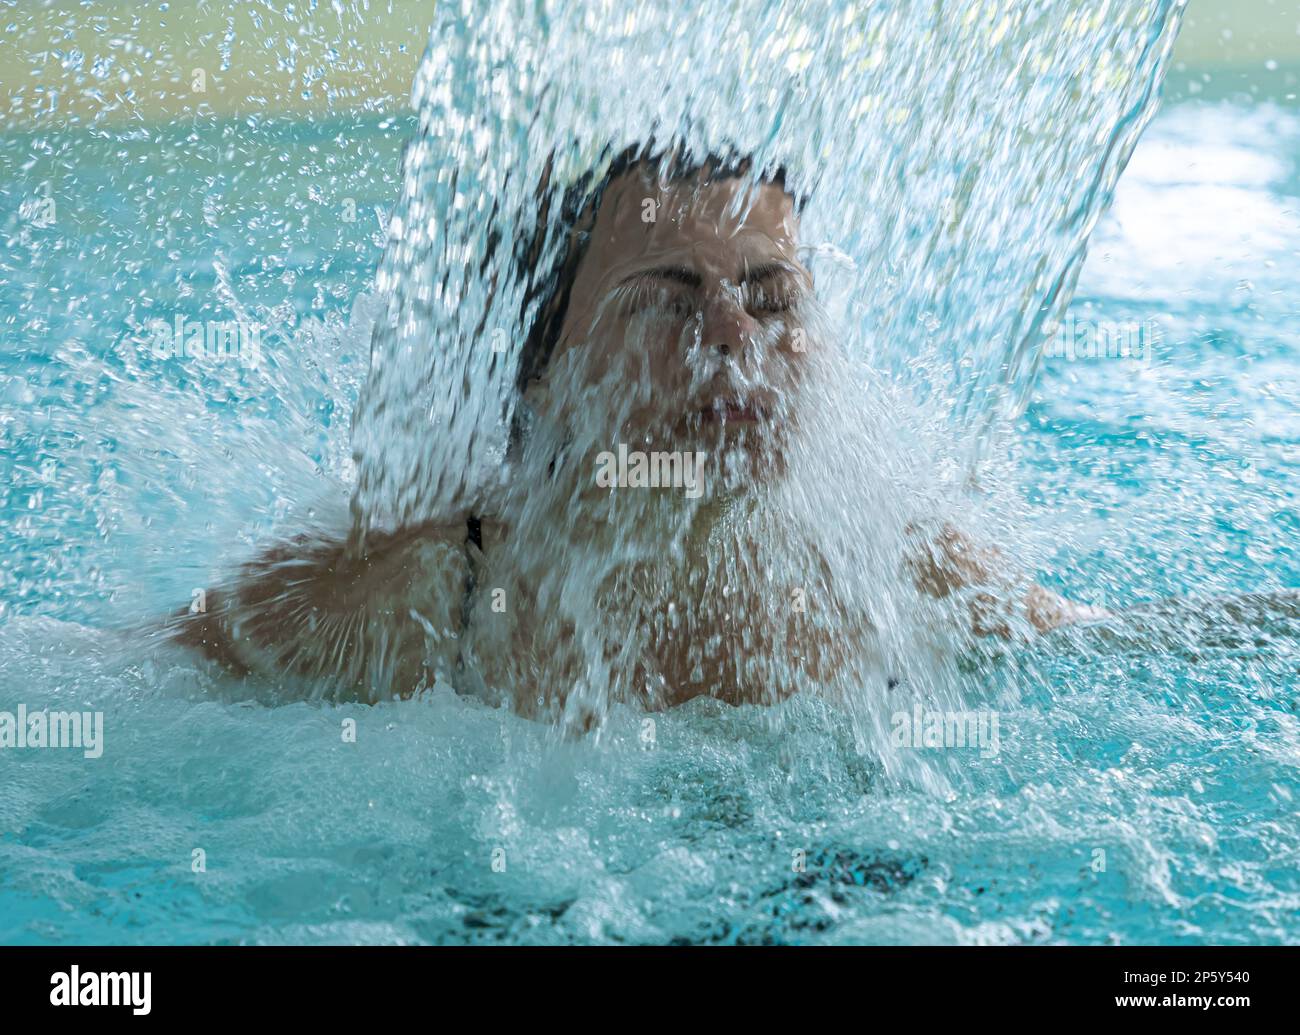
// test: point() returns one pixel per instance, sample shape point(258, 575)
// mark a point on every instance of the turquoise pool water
point(1139, 795)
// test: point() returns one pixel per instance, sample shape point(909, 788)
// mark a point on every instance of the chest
point(658, 635)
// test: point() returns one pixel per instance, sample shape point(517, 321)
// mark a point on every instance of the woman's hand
point(1000, 595)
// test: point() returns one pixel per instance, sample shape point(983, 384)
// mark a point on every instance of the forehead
point(710, 225)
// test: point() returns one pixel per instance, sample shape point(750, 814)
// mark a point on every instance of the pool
point(1137, 796)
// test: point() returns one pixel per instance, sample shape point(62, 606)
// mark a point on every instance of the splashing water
point(949, 200)
point(956, 197)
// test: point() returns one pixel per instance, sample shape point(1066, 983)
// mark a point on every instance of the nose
point(727, 326)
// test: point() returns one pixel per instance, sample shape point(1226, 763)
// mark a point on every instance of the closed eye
point(673, 291)
point(772, 297)
point(648, 293)
point(771, 288)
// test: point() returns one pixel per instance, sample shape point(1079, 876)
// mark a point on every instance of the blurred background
point(122, 60)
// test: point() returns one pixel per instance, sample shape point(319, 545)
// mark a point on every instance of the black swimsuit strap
point(473, 534)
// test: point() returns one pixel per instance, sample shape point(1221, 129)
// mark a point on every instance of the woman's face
point(685, 314)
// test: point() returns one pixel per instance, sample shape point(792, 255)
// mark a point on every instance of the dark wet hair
point(549, 290)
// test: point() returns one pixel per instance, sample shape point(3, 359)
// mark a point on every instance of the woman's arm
point(376, 625)
point(950, 562)
point(1190, 626)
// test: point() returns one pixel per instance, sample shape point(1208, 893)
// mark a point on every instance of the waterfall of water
point(953, 197)
point(958, 153)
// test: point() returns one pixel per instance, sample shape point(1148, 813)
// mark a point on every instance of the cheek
point(648, 349)
point(795, 342)
point(779, 352)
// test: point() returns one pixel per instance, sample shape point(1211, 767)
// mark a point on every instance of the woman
point(676, 349)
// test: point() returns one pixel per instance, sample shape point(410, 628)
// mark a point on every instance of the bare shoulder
point(370, 622)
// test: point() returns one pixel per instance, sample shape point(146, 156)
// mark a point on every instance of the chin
point(739, 454)
point(745, 462)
